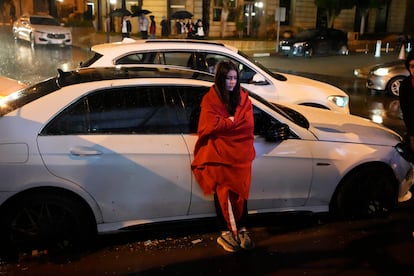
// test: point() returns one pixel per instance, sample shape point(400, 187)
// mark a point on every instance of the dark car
point(316, 42)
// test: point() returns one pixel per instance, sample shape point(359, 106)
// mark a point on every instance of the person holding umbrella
point(125, 26)
point(143, 25)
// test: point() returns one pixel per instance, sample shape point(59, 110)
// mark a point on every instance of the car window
point(43, 21)
point(169, 58)
point(130, 110)
point(211, 59)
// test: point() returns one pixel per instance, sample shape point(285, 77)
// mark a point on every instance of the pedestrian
point(407, 100)
point(143, 26)
point(200, 29)
point(153, 27)
point(181, 29)
point(165, 27)
point(12, 12)
point(125, 26)
point(190, 28)
point(224, 153)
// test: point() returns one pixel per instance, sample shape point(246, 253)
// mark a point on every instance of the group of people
point(143, 23)
point(189, 29)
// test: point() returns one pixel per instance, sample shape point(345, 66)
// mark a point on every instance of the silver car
point(41, 29)
point(387, 77)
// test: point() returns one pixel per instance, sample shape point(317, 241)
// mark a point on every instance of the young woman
point(224, 153)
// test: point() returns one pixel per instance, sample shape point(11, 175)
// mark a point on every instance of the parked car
point(41, 29)
point(105, 149)
point(318, 41)
point(203, 55)
point(387, 77)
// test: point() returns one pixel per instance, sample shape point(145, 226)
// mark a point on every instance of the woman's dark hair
point(232, 99)
point(410, 57)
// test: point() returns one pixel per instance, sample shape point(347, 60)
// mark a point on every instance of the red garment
point(224, 150)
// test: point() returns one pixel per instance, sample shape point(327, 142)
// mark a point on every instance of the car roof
point(89, 74)
point(131, 45)
point(92, 74)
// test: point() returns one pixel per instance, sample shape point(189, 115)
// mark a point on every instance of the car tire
point(42, 220)
point(368, 191)
point(393, 86)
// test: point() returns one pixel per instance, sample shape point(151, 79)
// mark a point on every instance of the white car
point(203, 55)
point(104, 149)
point(41, 29)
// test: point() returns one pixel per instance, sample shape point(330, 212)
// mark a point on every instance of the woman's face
point(231, 80)
point(411, 67)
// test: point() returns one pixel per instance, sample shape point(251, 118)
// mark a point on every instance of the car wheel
point(343, 50)
point(56, 222)
point(393, 86)
point(368, 191)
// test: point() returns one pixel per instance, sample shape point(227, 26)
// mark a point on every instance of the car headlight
point(381, 72)
point(340, 101)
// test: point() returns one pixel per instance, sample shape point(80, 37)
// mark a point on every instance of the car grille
point(56, 36)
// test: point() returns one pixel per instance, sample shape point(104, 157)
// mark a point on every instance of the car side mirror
point(258, 79)
point(277, 132)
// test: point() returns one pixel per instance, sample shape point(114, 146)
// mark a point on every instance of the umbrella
point(120, 12)
point(181, 15)
point(139, 12)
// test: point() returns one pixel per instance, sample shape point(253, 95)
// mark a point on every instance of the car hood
point(395, 63)
point(51, 29)
point(337, 127)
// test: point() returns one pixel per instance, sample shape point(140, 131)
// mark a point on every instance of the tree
point(333, 8)
point(363, 6)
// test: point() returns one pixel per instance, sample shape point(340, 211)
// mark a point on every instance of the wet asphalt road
point(286, 244)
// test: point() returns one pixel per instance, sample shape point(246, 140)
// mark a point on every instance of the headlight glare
point(381, 72)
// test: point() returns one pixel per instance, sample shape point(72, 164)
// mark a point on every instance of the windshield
point(275, 75)
point(287, 112)
point(95, 56)
point(43, 21)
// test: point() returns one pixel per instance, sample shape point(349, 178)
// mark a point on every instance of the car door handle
point(84, 151)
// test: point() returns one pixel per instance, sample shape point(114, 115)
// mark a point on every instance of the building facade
point(227, 18)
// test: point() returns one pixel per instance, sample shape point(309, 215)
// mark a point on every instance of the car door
point(122, 145)
point(282, 170)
